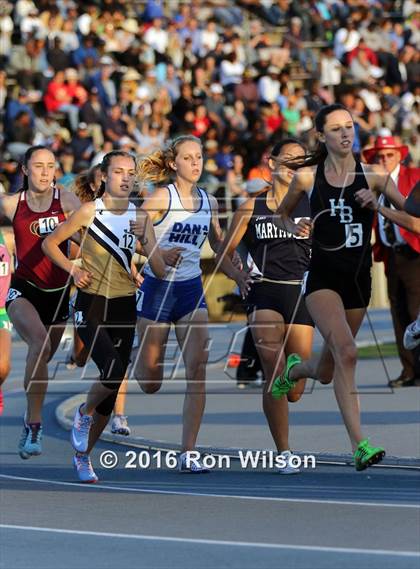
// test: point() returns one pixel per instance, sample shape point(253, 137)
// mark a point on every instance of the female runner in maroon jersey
point(38, 298)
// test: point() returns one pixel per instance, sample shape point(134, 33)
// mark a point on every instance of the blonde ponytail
point(157, 167)
point(154, 168)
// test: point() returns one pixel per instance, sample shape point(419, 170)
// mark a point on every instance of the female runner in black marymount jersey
point(277, 315)
point(337, 287)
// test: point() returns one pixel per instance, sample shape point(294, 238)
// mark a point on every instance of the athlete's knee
point(196, 369)
point(267, 350)
point(296, 393)
point(149, 377)
point(196, 384)
point(113, 373)
point(80, 359)
point(40, 348)
point(4, 370)
point(293, 397)
point(324, 374)
point(106, 406)
point(149, 386)
point(347, 355)
point(325, 379)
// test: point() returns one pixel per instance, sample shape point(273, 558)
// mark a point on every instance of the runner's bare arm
point(79, 219)
point(233, 237)
point(302, 182)
point(381, 182)
point(69, 202)
point(157, 204)
point(8, 205)
point(215, 231)
point(147, 238)
point(171, 256)
point(368, 199)
point(401, 218)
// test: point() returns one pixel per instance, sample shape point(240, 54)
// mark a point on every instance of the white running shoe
point(80, 431)
point(191, 464)
point(288, 466)
point(412, 335)
point(119, 426)
point(84, 469)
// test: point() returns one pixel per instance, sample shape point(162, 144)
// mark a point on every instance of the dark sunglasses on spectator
point(389, 155)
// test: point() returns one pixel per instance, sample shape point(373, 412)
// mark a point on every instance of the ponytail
point(83, 185)
point(157, 166)
point(313, 158)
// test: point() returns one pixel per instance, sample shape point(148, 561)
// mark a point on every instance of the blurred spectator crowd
point(86, 78)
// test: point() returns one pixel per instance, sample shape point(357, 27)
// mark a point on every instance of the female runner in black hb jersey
point(276, 312)
point(338, 284)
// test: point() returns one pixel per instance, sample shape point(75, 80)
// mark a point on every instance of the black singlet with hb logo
point(342, 229)
point(274, 253)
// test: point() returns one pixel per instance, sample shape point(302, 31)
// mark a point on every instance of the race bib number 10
point(47, 225)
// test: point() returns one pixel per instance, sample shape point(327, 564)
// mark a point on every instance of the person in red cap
point(399, 249)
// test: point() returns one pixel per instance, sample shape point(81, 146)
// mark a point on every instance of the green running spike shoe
point(282, 384)
point(367, 455)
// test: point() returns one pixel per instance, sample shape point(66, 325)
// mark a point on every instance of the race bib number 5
point(354, 234)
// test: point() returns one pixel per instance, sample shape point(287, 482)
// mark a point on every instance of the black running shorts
point(286, 299)
point(52, 306)
point(354, 290)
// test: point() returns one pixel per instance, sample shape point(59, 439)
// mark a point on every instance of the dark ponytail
point(320, 153)
point(27, 157)
point(83, 185)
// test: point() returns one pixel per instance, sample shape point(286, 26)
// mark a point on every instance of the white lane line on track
point(218, 542)
point(209, 495)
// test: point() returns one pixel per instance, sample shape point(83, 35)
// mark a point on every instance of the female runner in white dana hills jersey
point(184, 215)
